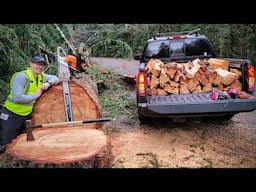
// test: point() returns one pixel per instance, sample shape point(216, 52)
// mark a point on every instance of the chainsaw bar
point(64, 76)
point(67, 101)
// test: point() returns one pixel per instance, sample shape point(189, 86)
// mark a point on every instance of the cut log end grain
point(62, 146)
point(50, 107)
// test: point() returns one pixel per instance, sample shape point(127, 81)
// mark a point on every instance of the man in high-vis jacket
point(25, 87)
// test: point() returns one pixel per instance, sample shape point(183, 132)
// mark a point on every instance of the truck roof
point(177, 47)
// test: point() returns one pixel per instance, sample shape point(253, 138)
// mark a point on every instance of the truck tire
point(142, 118)
point(227, 117)
point(221, 118)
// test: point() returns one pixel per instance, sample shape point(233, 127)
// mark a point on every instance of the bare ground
point(164, 144)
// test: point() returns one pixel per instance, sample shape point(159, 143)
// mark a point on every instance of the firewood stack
point(191, 77)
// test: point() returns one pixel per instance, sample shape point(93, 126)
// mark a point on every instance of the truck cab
point(178, 47)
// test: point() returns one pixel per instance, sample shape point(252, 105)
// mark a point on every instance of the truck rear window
point(177, 47)
point(157, 49)
point(197, 47)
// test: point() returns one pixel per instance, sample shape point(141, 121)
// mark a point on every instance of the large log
point(61, 147)
point(49, 108)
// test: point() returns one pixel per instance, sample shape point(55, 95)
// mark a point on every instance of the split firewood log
point(154, 82)
point(217, 81)
point(170, 70)
point(236, 84)
point(196, 66)
point(192, 69)
point(203, 69)
point(227, 77)
point(192, 84)
point(171, 89)
point(148, 81)
point(180, 66)
point(226, 88)
point(187, 67)
point(151, 64)
point(184, 89)
point(207, 88)
point(157, 66)
point(161, 92)
point(198, 89)
point(153, 91)
point(174, 84)
point(164, 79)
point(220, 87)
point(211, 74)
point(236, 71)
point(179, 76)
point(203, 79)
point(218, 63)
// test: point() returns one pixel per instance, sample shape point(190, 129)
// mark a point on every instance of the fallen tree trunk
point(61, 147)
point(49, 108)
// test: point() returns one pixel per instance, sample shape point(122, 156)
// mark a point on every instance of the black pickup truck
point(183, 48)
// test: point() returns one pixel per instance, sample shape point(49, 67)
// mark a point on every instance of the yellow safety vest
point(30, 88)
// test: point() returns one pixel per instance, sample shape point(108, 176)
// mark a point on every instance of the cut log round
point(49, 108)
point(61, 147)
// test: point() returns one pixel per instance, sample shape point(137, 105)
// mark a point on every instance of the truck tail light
point(141, 79)
point(251, 77)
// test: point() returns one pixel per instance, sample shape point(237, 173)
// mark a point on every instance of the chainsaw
point(67, 67)
point(76, 62)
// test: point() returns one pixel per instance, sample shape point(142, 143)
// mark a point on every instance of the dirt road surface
point(119, 65)
point(192, 144)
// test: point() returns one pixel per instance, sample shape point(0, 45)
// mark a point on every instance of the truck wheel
point(227, 117)
point(142, 118)
point(220, 118)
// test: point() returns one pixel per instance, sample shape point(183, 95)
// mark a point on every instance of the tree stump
point(61, 147)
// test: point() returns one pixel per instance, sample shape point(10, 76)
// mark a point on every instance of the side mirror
point(137, 56)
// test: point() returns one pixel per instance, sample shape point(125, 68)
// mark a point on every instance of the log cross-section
point(61, 147)
point(49, 108)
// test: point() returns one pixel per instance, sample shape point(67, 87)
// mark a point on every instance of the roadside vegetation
point(113, 93)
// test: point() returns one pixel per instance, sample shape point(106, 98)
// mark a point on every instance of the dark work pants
point(11, 127)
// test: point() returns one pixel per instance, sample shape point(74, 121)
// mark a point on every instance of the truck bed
point(196, 103)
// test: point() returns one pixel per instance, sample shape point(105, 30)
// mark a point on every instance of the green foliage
point(114, 98)
point(125, 40)
point(113, 47)
point(19, 43)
